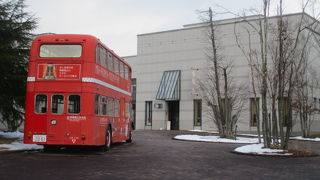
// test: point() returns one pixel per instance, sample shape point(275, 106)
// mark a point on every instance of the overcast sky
point(117, 22)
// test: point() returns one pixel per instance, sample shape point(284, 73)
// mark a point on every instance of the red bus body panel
point(81, 77)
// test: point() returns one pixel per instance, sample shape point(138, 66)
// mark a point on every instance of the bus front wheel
point(108, 139)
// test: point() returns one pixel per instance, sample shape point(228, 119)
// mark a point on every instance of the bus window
point(60, 50)
point(103, 57)
point(110, 61)
point(116, 108)
point(57, 106)
point(74, 104)
point(41, 104)
point(116, 65)
point(110, 107)
point(126, 72)
point(127, 109)
point(121, 69)
point(96, 104)
point(97, 55)
point(103, 105)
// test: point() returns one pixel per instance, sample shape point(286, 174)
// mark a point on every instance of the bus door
point(56, 118)
point(73, 119)
point(37, 122)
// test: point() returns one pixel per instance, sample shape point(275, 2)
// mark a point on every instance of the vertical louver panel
point(169, 88)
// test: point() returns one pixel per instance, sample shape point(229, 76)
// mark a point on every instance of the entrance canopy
point(169, 88)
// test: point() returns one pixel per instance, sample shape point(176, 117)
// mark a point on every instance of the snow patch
point(305, 139)
point(258, 149)
point(199, 130)
point(11, 135)
point(20, 146)
point(241, 140)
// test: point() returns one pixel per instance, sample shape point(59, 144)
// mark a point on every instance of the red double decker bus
point(78, 93)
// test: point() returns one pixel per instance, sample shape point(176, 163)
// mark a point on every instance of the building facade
point(168, 65)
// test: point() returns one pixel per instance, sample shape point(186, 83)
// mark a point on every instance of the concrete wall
point(186, 49)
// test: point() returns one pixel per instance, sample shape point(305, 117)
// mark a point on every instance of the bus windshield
point(60, 50)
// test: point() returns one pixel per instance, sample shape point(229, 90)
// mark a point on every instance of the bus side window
point(74, 104)
point(116, 108)
point(110, 61)
point(57, 106)
point(103, 56)
point(121, 69)
point(97, 54)
point(103, 105)
point(116, 65)
point(126, 72)
point(110, 107)
point(127, 109)
point(96, 104)
point(41, 104)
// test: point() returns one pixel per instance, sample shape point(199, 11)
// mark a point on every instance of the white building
point(168, 64)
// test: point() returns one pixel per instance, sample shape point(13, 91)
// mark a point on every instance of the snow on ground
point(258, 149)
point(11, 135)
point(18, 144)
point(240, 140)
point(305, 139)
point(198, 130)
point(251, 135)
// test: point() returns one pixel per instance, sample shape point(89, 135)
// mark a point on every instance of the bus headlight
point(53, 122)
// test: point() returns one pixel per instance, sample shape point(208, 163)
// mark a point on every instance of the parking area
point(155, 155)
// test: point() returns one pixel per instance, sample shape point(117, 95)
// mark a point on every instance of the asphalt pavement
point(155, 155)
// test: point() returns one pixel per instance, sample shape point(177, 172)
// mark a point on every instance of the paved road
point(154, 155)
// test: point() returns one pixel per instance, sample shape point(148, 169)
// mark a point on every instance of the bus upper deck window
point(41, 104)
point(60, 50)
point(57, 106)
point(74, 104)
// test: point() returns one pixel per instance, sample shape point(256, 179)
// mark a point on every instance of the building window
point(103, 106)
point(283, 105)
point(57, 106)
point(148, 115)
point(254, 111)
point(74, 104)
point(197, 112)
point(41, 104)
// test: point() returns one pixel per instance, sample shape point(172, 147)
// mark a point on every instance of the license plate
point(39, 138)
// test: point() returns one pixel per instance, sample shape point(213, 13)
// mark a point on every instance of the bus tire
point(130, 138)
point(108, 139)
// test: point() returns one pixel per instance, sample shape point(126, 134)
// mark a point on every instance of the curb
point(211, 141)
point(271, 155)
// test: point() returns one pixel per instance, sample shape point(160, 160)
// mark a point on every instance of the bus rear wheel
point(108, 139)
point(130, 138)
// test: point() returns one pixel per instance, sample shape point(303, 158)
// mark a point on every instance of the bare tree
point(218, 90)
point(281, 51)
